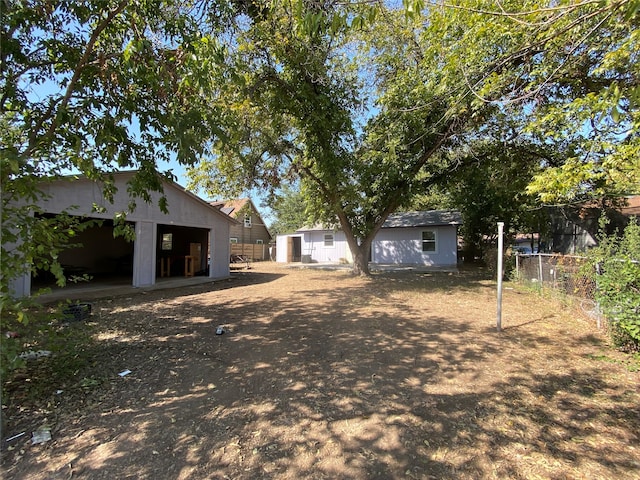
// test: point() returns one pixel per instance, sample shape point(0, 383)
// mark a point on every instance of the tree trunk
point(361, 261)
point(360, 253)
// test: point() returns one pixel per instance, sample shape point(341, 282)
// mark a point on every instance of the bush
point(617, 261)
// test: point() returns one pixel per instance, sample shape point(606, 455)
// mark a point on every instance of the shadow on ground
point(328, 376)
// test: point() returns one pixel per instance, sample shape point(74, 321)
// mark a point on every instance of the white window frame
point(233, 240)
point(259, 241)
point(434, 241)
point(247, 221)
point(167, 242)
point(329, 237)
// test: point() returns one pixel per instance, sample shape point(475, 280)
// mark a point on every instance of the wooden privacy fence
point(250, 251)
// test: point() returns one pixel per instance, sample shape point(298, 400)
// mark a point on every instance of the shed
point(427, 238)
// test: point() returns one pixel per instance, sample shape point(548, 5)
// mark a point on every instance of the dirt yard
point(321, 375)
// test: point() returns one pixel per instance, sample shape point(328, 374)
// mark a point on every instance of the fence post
point(540, 274)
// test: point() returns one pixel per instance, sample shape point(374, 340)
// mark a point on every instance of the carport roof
point(126, 176)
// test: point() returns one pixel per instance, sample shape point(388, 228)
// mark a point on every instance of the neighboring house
point(427, 238)
point(575, 229)
point(250, 236)
point(191, 239)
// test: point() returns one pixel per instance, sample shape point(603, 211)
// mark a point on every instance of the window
point(328, 239)
point(233, 240)
point(259, 241)
point(428, 241)
point(167, 241)
point(247, 221)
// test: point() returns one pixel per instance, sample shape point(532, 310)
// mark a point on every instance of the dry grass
point(324, 375)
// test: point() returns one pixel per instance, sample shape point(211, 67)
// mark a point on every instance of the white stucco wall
point(281, 248)
point(77, 197)
point(220, 250)
point(404, 246)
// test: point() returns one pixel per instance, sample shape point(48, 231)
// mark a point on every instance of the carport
point(192, 239)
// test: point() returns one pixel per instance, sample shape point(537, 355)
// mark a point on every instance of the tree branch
point(33, 137)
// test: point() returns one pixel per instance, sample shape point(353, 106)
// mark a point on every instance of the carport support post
point(500, 248)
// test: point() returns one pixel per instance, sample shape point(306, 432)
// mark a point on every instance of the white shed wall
point(404, 246)
point(313, 244)
point(184, 208)
point(281, 247)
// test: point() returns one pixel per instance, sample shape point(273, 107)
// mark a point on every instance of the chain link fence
point(564, 274)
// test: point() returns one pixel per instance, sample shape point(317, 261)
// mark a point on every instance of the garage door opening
point(182, 251)
point(95, 256)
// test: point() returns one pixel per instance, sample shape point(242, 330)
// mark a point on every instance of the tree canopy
point(289, 210)
point(369, 105)
point(365, 103)
point(94, 86)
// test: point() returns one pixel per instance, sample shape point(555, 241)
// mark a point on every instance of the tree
point(298, 109)
point(306, 91)
point(488, 187)
point(289, 209)
point(95, 86)
point(91, 87)
point(569, 74)
point(613, 266)
point(570, 99)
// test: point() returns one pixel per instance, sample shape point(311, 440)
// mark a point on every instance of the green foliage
point(618, 261)
point(369, 106)
point(301, 113)
point(21, 223)
point(90, 88)
point(488, 187)
point(289, 209)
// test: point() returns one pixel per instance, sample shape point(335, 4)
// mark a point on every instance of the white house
point(427, 238)
point(191, 239)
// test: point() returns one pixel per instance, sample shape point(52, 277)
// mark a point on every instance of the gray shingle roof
point(430, 218)
point(423, 219)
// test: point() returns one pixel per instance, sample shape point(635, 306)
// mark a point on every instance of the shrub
point(617, 261)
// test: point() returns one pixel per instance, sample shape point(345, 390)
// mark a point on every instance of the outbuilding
point(419, 238)
point(191, 239)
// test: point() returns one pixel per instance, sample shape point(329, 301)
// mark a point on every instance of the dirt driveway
point(323, 375)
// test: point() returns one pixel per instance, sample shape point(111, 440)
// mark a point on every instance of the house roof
point(233, 208)
point(632, 208)
point(428, 218)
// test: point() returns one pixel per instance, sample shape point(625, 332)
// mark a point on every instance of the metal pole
point(500, 247)
point(540, 271)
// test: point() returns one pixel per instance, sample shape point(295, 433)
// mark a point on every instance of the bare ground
point(324, 375)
